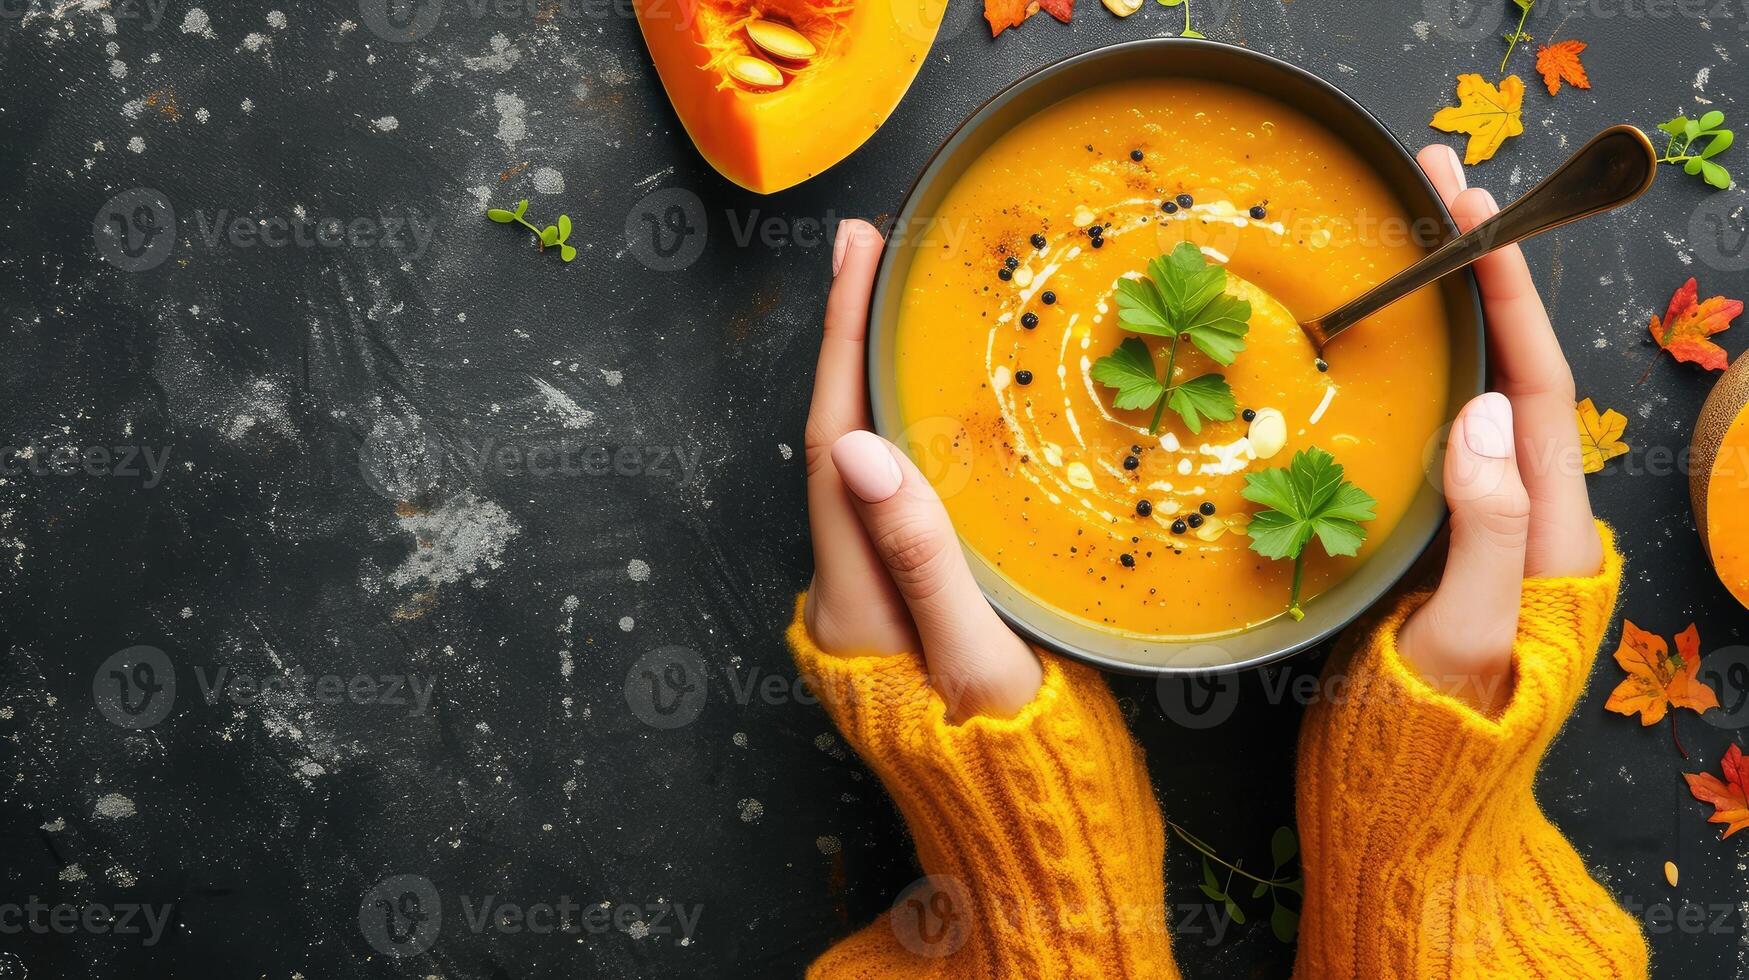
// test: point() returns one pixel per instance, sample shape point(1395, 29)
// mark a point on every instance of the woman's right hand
point(1519, 505)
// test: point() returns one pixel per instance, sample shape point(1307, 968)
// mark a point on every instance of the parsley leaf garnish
point(1184, 298)
point(1306, 499)
point(1687, 134)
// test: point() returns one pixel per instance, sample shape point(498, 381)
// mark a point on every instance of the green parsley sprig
point(1685, 133)
point(551, 235)
point(1308, 498)
point(1184, 298)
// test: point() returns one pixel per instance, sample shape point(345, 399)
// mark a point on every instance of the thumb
point(976, 663)
point(1461, 639)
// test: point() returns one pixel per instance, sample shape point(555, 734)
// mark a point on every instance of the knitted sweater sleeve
point(1425, 852)
point(1040, 840)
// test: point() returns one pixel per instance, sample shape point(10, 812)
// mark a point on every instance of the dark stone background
point(321, 510)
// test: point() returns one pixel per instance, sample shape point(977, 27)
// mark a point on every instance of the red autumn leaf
point(1003, 14)
point(1657, 678)
point(1730, 805)
point(1687, 325)
point(1559, 63)
point(1060, 9)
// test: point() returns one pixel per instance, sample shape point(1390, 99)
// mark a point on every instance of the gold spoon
point(1611, 170)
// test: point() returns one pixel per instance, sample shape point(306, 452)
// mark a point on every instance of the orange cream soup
point(1034, 475)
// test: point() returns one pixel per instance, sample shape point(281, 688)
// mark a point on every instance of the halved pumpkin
point(773, 92)
point(1718, 479)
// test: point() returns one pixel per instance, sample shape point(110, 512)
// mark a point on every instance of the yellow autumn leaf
point(1600, 435)
point(1489, 115)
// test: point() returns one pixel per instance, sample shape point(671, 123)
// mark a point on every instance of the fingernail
point(1457, 168)
point(1488, 426)
point(1493, 205)
point(840, 245)
point(866, 464)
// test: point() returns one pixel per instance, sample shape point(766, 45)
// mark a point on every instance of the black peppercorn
point(1207, 508)
point(1038, 241)
point(1131, 462)
point(1029, 320)
point(1011, 262)
point(1321, 364)
point(1249, 414)
point(1169, 207)
point(1259, 212)
point(1047, 297)
point(1136, 155)
point(1129, 560)
point(1195, 520)
point(1144, 508)
point(1185, 200)
point(1023, 378)
point(1098, 243)
point(1179, 527)
point(1005, 274)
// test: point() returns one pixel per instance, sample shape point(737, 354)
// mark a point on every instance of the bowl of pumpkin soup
point(1085, 333)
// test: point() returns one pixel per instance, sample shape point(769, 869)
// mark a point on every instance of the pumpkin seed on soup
point(754, 72)
point(781, 41)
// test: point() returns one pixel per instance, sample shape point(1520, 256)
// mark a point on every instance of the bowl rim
point(884, 290)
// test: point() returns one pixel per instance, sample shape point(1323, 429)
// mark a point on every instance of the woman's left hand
point(889, 575)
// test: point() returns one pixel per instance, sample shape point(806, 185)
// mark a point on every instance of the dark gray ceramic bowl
point(1330, 611)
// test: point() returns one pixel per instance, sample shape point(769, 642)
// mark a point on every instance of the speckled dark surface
point(324, 508)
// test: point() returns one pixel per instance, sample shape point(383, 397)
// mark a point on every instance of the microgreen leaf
point(1283, 846)
point(1285, 923)
point(1694, 142)
point(546, 237)
point(1308, 498)
point(1130, 369)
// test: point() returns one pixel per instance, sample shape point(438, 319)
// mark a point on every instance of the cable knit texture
point(1040, 835)
point(1424, 853)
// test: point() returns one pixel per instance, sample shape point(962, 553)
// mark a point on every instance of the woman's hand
point(1519, 506)
point(889, 576)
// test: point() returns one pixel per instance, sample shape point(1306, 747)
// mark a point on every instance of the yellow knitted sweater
point(1424, 852)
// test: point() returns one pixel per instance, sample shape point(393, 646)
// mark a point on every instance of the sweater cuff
point(1050, 809)
point(1561, 622)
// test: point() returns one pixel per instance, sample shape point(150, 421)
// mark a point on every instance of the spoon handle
point(1614, 168)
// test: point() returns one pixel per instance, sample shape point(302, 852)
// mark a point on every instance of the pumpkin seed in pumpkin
point(781, 41)
point(755, 72)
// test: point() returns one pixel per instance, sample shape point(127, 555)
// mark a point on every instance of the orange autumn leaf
point(1600, 435)
point(1003, 14)
point(1489, 115)
point(1559, 62)
point(1657, 678)
point(1062, 10)
point(1730, 806)
point(1687, 324)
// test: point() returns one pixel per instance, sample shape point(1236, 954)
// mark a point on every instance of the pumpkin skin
point(1718, 480)
point(768, 140)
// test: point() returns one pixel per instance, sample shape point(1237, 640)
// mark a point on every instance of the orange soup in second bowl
point(1012, 298)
